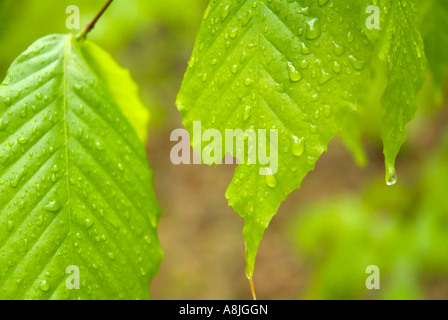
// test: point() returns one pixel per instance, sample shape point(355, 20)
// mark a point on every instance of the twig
point(91, 25)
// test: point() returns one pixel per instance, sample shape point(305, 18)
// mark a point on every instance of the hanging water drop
point(393, 179)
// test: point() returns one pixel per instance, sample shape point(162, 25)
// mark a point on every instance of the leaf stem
point(91, 25)
point(252, 288)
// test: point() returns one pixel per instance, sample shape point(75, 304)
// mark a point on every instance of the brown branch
point(91, 25)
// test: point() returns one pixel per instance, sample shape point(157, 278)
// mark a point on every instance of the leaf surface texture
point(74, 181)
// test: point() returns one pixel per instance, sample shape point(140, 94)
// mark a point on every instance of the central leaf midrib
point(66, 56)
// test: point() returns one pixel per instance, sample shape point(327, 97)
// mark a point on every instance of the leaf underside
point(74, 182)
point(434, 27)
point(295, 66)
point(400, 45)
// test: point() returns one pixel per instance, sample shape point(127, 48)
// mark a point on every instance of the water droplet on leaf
point(294, 74)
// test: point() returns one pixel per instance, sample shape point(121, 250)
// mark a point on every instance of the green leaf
point(120, 84)
point(400, 44)
point(434, 27)
point(351, 135)
point(74, 182)
point(296, 67)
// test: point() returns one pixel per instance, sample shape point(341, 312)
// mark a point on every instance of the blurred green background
point(344, 217)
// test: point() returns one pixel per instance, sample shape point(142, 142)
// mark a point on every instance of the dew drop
point(338, 49)
point(206, 13)
point(248, 82)
point(324, 78)
point(271, 181)
point(356, 64)
point(327, 111)
point(304, 49)
point(298, 146)
point(246, 113)
point(313, 29)
point(99, 146)
point(3, 125)
point(44, 286)
point(10, 225)
point(337, 67)
point(350, 37)
point(243, 56)
point(18, 177)
point(53, 206)
point(22, 140)
point(393, 179)
point(294, 74)
point(225, 13)
point(304, 64)
point(24, 111)
point(234, 33)
point(88, 223)
point(40, 220)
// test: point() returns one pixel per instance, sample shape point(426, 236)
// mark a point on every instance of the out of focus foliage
point(401, 229)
